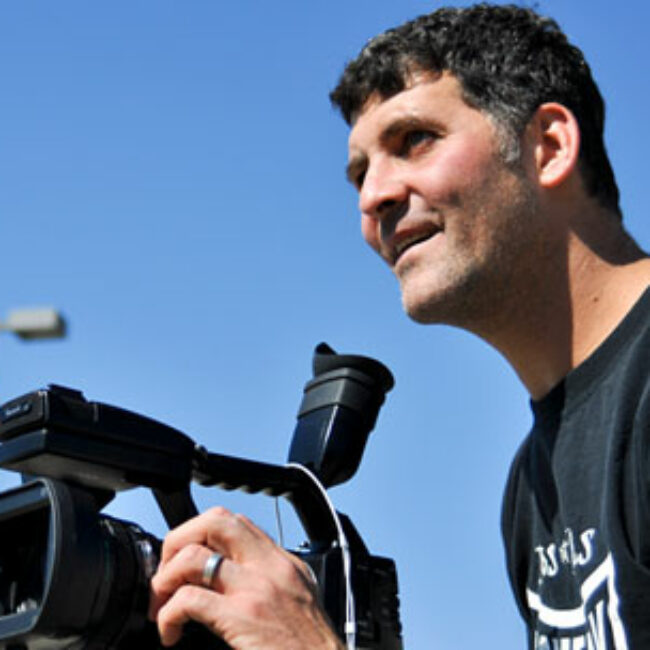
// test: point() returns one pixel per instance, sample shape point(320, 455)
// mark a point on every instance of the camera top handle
point(57, 433)
point(230, 473)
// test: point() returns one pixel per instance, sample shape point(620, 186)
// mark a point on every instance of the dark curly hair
point(509, 60)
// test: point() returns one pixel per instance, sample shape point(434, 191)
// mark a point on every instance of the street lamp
point(36, 323)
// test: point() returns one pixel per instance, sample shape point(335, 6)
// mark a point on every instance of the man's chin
point(425, 312)
point(426, 296)
point(450, 307)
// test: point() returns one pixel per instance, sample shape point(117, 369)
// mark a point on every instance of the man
point(476, 148)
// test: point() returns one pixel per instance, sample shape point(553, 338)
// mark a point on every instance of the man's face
point(438, 202)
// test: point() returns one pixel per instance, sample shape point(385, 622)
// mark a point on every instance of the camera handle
point(176, 505)
point(231, 473)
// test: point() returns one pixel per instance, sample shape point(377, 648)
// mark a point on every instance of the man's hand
point(260, 596)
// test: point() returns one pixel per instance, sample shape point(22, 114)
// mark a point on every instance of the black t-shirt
point(576, 511)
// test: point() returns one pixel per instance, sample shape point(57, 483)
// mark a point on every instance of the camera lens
point(23, 547)
point(70, 577)
point(128, 560)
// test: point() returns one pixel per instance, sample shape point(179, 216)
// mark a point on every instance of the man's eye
point(414, 139)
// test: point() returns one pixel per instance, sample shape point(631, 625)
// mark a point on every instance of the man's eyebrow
point(405, 123)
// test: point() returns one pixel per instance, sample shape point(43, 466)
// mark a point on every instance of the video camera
point(71, 577)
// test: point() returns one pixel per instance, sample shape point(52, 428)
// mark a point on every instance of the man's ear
point(556, 137)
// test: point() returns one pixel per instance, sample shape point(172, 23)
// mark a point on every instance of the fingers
point(260, 615)
point(189, 603)
point(185, 567)
point(232, 535)
point(188, 548)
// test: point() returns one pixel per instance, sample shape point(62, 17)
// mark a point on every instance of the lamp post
point(35, 323)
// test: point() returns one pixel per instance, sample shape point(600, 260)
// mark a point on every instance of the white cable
point(350, 614)
point(278, 521)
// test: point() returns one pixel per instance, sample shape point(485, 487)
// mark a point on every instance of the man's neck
point(575, 306)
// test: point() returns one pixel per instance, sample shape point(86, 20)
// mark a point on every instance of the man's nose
point(382, 191)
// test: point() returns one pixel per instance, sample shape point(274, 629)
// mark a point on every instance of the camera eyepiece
point(338, 411)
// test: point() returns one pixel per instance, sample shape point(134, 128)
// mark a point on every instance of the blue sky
point(172, 180)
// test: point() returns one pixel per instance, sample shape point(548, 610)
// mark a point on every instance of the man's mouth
point(407, 240)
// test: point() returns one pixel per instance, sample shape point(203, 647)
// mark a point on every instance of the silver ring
point(210, 569)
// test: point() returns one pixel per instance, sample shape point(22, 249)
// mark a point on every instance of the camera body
point(72, 577)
